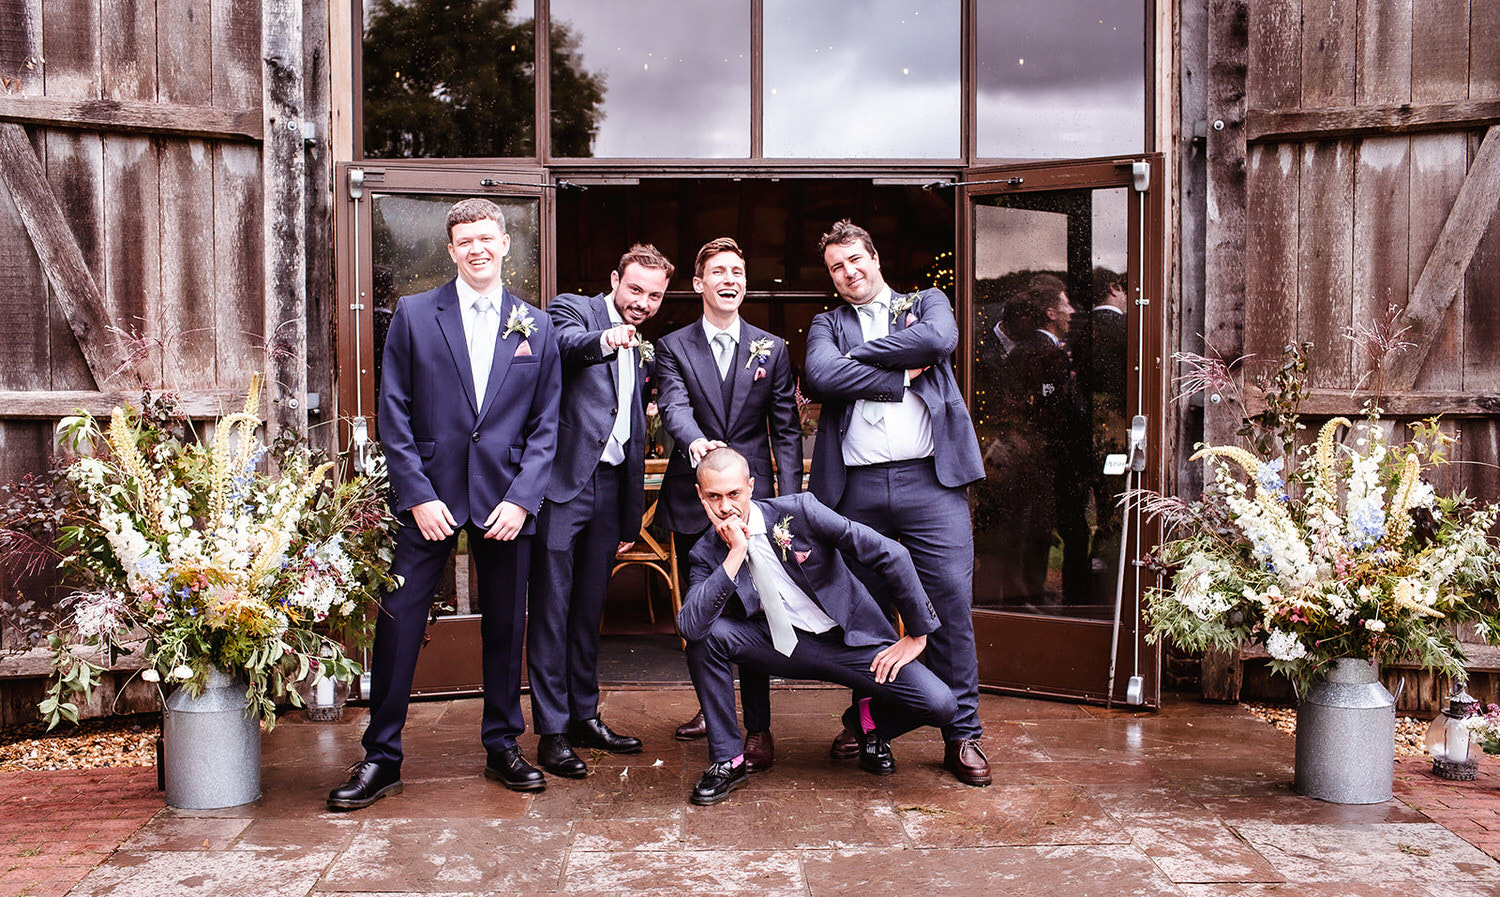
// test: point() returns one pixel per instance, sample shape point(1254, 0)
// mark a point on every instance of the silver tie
point(614, 453)
point(871, 321)
point(482, 345)
point(761, 556)
point(723, 353)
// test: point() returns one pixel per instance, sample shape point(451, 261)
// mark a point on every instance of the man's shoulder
point(753, 333)
point(678, 337)
point(429, 298)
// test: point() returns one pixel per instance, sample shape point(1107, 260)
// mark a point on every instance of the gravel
point(1409, 729)
point(94, 743)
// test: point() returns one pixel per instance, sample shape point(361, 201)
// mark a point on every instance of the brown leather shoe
point(693, 729)
point(760, 751)
point(845, 746)
point(966, 760)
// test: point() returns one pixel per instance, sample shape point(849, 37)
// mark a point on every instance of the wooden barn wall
point(169, 217)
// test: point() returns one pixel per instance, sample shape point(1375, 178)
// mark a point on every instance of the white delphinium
point(1195, 589)
point(1283, 645)
point(1273, 534)
point(1364, 500)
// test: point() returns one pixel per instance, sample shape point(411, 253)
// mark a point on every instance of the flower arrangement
point(209, 559)
point(1485, 729)
point(1331, 550)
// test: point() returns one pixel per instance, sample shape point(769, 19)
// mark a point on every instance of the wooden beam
point(1346, 403)
point(1269, 125)
point(283, 173)
point(74, 287)
point(1443, 275)
point(132, 116)
point(40, 405)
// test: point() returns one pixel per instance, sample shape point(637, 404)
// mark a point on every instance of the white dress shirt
point(713, 332)
point(903, 431)
point(479, 360)
point(619, 437)
point(802, 611)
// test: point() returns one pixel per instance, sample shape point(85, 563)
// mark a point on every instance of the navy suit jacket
point(439, 442)
point(761, 418)
point(590, 386)
point(816, 562)
point(842, 367)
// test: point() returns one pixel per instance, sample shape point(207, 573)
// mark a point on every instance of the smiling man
point(468, 423)
point(594, 505)
point(724, 381)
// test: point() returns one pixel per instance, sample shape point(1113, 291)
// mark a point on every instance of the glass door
point(393, 243)
point(1062, 292)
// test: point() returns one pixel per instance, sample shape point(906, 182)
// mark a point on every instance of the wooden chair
point(651, 553)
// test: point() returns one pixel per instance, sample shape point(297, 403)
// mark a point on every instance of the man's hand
point(505, 522)
point(624, 547)
point(434, 520)
point(736, 534)
point(889, 662)
point(914, 373)
point(621, 336)
point(701, 447)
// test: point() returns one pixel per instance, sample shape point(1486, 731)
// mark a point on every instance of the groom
point(468, 422)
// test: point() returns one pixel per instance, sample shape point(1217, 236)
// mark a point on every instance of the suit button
point(613, 411)
point(475, 437)
point(602, 441)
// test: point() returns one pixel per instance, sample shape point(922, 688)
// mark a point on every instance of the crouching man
point(772, 590)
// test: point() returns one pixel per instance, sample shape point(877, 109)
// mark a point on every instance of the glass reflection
point(1061, 80)
point(672, 78)
point(1048, 380)
point(862, 80)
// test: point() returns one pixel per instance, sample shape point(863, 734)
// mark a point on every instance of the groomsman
point(896, 451)
point(771, 588)
point(723, 381)
point(468, 422)
point(594, 505)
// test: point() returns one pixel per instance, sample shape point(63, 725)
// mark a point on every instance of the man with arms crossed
point(771, 589)
point(896, 450)
point(468, 422)
point(594, 505)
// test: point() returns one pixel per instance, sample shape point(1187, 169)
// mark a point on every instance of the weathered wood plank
point(1325, 256)
point(1383, 30)
point(1328, 52)
point(1481, 327)
point(23, 283)
point(187, 262)
point(56, 404)
point(239, 275)
point(236, 56)
point(1382, 184)
point(1439, 164)
point(133, 117)
point(132, 251)
point(75, 169)
point(1440, 50)
point(1412, 404)
point(1229, 35)
point(1480, 445)
point(70, 31)
point(1272, 225)
point(185, 73)
point(21, 46)
point(1443, 273)
point(321, 299)
point(1269, 125)
point(74, 286)
point(128, 49)
point(1274, 81)
point(283, 173)
point(1484, 49)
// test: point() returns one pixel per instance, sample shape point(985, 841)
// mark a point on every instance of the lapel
point(743, 373)
point(701, 359)
point(600, 309)
point(799, 543)
point(846, 322)
point(451, 322)
point(505, 350)
point(899, 323)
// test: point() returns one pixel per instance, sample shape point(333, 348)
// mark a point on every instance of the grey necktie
point(762, 556)
point(723, 353)
point(482, 345)
point(872, 323)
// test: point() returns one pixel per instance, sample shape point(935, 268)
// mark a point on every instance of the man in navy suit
point(594, 505)
point(468, 422)
point(896, 451)
point(723, 381)
point(771, 589)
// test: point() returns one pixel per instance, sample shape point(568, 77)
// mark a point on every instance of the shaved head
point(723, 460)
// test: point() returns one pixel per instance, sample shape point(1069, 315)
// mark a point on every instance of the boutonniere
point(781, 534)
point(760, 351)
point(900, 304)
point(520, 321)
point(648, 352)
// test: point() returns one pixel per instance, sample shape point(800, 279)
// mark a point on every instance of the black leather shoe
point(368, 782)
point(717, 781)
point(875, 755)
point(509, 768)
point(693, 729)
point(593, 733)
point(557, 757)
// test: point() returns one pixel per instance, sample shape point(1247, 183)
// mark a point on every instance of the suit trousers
point(904, 500)
point(914, 698)
point(571, 559)
point(755, 685)
point(402, 621)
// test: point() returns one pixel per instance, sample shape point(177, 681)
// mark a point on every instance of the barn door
point(1065, 395)
point(393, 243)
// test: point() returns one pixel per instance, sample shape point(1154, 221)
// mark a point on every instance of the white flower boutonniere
point(760, 351)
point(901, 304)
point(520, 321)
point(648, 352)
point(781, 534)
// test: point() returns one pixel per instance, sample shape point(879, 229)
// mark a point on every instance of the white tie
point(482, 345)
point(614, 453)
point(783, 637)
point(723, 353)
point(873, 324)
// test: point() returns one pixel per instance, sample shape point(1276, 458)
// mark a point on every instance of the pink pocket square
point(802, 556)
point(910, 319)
point(524, 349)
point(760, 373)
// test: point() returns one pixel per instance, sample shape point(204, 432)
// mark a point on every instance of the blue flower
point(1269, 476)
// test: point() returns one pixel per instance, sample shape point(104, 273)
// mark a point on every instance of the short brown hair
point(474, 209)
point(845, 232)
point(647, 256)
point(712, 248)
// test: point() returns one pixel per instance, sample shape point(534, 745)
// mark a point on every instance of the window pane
point(878, 79)
point(449, 79)
point(1061, 80)
point(651, 78)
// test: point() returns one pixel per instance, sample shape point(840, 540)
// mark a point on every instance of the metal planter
point(211, 749)
point(1346, 736)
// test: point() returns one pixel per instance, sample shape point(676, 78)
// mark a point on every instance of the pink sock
point(737, 761)
point(866, 722)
